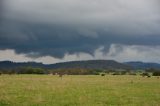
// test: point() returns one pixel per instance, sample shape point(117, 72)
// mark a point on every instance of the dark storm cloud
point(52, 27)
point(1, 9)
point(45, 40)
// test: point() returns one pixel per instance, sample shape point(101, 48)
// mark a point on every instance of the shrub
point(156, 73)
point(95, 73)
point(103, 74)
point(132, 73)
point(145, 74)
point(30, 70)
point(123, 72)
point(116, 73)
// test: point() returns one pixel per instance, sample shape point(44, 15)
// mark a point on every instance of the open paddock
point(79, 90)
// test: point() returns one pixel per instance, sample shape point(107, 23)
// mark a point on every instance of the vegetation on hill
point(91, 67)
point(142, 65)
point(90, 64)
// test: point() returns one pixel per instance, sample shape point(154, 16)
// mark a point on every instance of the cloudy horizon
point(52, 31)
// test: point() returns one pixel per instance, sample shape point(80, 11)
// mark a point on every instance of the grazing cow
point(103, 74)
point(148, 76)
point(61, 75)
point(145, 75)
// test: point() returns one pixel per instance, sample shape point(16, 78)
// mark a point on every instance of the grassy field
point(48, 90)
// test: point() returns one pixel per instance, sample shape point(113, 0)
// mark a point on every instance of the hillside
point(10, 65)
point(142, 65)
point(90, 64)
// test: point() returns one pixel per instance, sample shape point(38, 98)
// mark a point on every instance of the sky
point(51, 31)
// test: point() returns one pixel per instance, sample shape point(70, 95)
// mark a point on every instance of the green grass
point(47, 90)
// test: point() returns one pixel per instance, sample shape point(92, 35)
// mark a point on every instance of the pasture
point(79, 90)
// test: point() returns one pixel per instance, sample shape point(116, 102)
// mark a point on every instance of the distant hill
point(90, 64)
point(10, 65)
point(143, 65)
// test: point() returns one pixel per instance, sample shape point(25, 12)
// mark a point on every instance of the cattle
point(60, 75)
point(145, 75)
point(103, 74)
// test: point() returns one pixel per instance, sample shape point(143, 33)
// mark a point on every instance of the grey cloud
point(134, 53)
point(117, 52)
point(52, 27)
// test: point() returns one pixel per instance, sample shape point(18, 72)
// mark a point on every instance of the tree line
point(75, 71)
point(32, 70)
